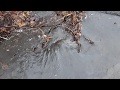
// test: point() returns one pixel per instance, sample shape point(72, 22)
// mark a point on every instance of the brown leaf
point(26, 14)
point(20, 23)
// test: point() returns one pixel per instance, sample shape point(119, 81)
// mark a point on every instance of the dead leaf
point(26, 14)
point(3, 29)
point(20, 23)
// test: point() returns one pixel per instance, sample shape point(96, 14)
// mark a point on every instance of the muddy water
point(26, 59)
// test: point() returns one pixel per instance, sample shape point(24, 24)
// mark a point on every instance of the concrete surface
point(112, 12)
point(99, 61)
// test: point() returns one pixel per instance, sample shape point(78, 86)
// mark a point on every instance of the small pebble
point(30, 39)
point(39, 36)
point(115, 23)
point(55, 75)
point(92, 14)
point(19, 30)
point(7, 50)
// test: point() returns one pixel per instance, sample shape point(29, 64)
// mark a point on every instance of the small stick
point(47, 38)
point(90, 41)
point(4, 38)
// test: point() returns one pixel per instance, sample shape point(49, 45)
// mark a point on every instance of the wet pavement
point(117, 13)
point(25, 59)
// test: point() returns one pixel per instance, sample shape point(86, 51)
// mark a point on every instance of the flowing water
point(26, 59)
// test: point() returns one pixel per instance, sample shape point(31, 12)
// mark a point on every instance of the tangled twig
point(46, 38)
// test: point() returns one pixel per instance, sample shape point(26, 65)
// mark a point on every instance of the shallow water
point(62, 60)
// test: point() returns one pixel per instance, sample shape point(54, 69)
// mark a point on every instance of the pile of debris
point(12, 20)
point(71, 21)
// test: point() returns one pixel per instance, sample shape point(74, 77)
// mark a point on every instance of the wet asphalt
point(62, 61)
